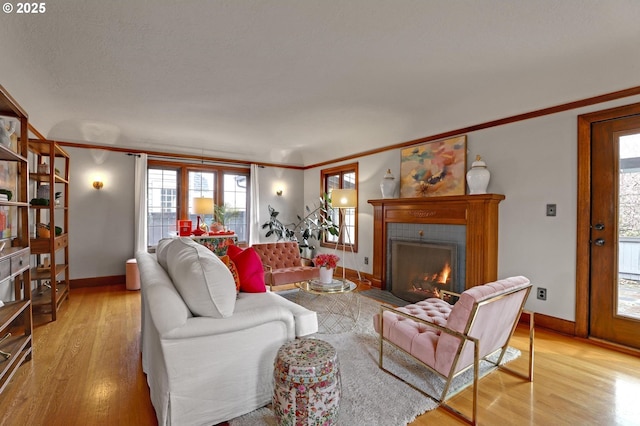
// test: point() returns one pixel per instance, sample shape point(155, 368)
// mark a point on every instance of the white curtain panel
point(254, 225)
point(140, 242)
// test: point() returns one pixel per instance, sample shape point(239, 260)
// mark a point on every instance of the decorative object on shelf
point(434, 169)
point(388, 185)
point(5, 355)
point(184, 228)
point(222, 214)
point(42, 231)
point(6, 132)
point(478, 177)
point(39, 202)
point(57, 196)
point(314, 225)
point(7, 193)
point(202, 206)
point(43, 192)
point(45, 266)
point(216, 227)
point(43, 168)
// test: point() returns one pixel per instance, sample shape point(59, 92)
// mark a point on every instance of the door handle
point(598, 226)
point(599, 242)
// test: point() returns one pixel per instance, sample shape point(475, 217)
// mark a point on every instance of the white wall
point(289, 204)
point(533, 163)
point(371, 169)
point(100, 221)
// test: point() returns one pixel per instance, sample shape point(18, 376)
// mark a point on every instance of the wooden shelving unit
point(52, 166)
point(16, 328)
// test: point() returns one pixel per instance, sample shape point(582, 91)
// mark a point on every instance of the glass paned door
point(628, 294)
point(614, 298)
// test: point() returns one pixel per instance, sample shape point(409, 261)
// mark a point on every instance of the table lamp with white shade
point(201, 206)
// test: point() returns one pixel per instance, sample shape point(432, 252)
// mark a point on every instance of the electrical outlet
point(551, 209)
point(542, 293)
point(366, 260)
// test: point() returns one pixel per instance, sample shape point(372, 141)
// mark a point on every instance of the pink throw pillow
point(250, 270)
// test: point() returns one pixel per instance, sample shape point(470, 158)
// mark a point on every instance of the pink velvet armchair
point(283, 264)
point(449, 340)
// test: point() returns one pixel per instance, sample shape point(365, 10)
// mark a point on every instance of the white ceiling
point(304, 81)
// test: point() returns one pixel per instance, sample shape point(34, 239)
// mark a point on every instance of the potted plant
point(313, 225)
point(327, 263)
point(221, 215)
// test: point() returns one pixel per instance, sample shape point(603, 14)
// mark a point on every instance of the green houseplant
point(316, 222)
point(222, 214)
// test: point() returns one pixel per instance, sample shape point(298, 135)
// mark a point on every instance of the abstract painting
point(434, 169)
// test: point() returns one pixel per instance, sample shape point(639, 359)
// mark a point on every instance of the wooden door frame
point(583, 232)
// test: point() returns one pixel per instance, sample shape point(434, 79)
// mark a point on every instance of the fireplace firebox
point(422, 269)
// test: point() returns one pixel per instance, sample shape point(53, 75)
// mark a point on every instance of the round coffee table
point(337, 305)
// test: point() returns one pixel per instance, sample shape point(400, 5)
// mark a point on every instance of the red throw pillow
point(233, 251)
point(250, 270)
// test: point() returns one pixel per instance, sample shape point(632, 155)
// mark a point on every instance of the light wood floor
point(86, 370)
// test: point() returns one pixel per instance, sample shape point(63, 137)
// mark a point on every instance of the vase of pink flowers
point(327, 263)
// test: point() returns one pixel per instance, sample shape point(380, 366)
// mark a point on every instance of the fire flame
point(441, 277)
point(444, 274)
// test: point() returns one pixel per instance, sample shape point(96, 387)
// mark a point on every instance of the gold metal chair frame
point(442, 401)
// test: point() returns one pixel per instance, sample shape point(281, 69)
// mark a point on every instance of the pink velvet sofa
point(283, 264)
point(450, 339)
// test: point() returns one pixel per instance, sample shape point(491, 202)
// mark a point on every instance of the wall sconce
point(98, 184)
point(279, 192)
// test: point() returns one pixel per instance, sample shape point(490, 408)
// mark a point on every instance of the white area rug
point(371, 396)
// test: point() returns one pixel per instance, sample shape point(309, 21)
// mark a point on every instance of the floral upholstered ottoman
point(307, 383)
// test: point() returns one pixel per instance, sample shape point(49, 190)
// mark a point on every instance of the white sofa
point(206, 369)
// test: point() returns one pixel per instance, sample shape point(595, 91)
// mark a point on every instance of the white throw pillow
point(204, 282)
point(161, 252)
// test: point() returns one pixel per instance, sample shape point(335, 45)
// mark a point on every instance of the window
point(162, 206)
point(342, 177)
point(173, 186)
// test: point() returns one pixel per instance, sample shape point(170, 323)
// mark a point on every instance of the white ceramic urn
point(478, 177)
point(388, 185)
